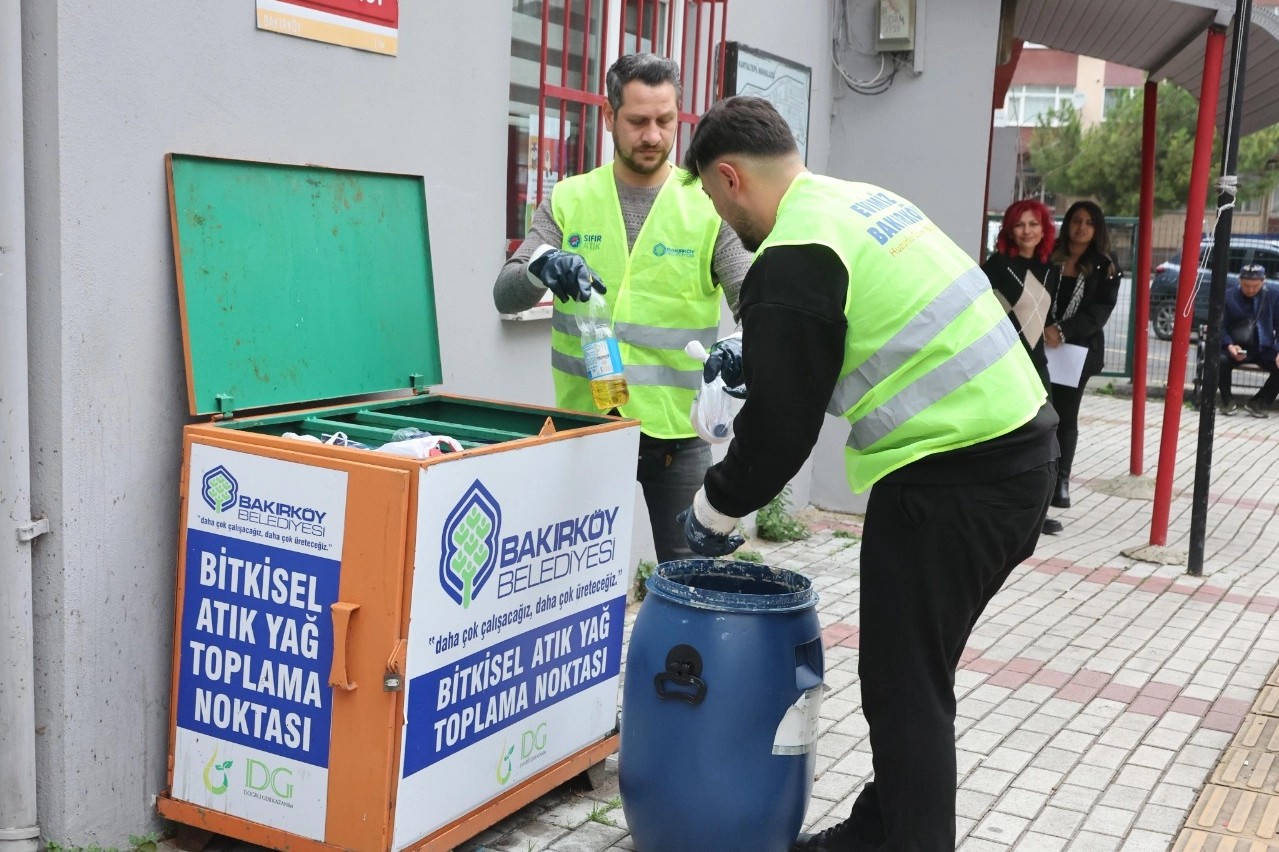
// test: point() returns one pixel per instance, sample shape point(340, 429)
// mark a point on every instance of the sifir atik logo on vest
point(663, 250)
point(221, 491)
point(585, 242)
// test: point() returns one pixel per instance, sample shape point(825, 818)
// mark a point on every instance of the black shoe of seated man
point(837, 838)
point(1061, 494)
point(1052, 526)
point(1254, 409)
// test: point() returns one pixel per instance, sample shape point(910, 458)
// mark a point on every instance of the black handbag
point(1244, 333)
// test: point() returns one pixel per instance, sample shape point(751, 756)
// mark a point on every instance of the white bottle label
point(797, 732)
point(603, 358)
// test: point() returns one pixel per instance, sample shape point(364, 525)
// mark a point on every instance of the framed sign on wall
point(785, 84)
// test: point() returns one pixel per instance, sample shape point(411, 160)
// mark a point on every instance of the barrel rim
point(659, 583)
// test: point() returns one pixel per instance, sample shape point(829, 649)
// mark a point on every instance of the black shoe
point(837, 838)
point(1229, 408)
point(1052, 526)
point(1255, 410)
point(1061, 495)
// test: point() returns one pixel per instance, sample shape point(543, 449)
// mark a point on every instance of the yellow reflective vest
point(931, 362)
point(660, 294)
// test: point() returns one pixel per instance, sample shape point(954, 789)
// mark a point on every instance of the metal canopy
point(1165, 38)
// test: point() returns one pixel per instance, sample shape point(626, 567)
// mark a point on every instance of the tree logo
point(468, 544)
point(219, 489)
point(504, 765)
point(213, 766)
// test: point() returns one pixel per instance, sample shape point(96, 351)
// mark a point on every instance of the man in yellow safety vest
point(654, 246)
point(859, 306)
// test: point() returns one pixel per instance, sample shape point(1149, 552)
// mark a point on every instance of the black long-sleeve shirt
point(793, 332)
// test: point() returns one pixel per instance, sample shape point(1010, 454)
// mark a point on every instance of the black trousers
point(670, 472)
point(932, 557)
point(1269, 390)
point(1066, 400)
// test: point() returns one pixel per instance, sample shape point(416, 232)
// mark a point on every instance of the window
point(1248, 206)
point(1025, 105)
point(1235, 259)
point(1113, 97)
point(560, 52)
point(1268, 258)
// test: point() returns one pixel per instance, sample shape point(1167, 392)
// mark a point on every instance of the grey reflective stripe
point(933, 386)
point(647, 375)
point(564, 323)
point(664, 338)
point(649, 336)
point(911, 338)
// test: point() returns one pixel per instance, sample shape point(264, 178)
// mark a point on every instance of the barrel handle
point(683, 665)
point(809, 667)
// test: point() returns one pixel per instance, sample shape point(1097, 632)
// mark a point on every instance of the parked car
point(1163, 289)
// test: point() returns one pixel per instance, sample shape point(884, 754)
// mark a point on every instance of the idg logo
point(468, 544)
point(260, 777)
point(219, 489)
point(260, 780)
point(532, 745)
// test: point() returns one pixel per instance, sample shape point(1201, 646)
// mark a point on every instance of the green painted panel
point(301, 283)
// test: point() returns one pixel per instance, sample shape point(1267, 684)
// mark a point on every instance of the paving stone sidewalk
point(1104, 703)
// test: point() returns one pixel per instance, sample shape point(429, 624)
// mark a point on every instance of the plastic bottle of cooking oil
point(603, 358)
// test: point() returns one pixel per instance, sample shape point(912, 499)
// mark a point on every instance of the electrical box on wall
point(895, 25)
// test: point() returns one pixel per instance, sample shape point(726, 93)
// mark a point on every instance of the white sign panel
point(515, 641)
point(782, 83)
point(263, 552)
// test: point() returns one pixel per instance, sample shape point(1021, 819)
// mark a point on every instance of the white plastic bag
point(713, 407)
point(422, 448)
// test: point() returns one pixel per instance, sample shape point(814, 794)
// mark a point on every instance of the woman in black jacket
point(1086, 294)
point(1024, 280)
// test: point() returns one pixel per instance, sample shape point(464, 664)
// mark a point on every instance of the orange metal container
point(371, 651)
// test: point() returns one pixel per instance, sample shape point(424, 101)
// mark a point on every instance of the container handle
point(809, 666)
point(341, 622)
point(683, 665)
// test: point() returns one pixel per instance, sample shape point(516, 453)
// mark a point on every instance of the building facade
point(107, 90)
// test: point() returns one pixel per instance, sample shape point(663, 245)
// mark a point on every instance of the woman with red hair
point(1025, 282)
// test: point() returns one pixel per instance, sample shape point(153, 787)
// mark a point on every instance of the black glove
point(725, 360)
point(566, 275)
point(702, 539)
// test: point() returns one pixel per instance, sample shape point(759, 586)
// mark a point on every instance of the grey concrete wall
point(111, 87)
point(926, 138)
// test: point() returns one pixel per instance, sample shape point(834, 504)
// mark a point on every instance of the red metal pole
point(710, 53)
point(697, 51)
point(723, 40)
point(585, 84)
point(1141, 277)
point(541, 101)
point(1208, 91)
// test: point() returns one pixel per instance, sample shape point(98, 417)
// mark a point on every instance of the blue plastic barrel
point(719, 708)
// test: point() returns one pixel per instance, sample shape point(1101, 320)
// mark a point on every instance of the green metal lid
point(300, 283)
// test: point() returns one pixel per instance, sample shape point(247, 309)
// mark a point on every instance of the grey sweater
point(514, 292)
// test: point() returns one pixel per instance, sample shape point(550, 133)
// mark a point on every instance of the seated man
point(1248, 336)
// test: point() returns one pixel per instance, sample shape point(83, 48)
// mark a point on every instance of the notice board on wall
point(372, 25)
point(785, 84)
